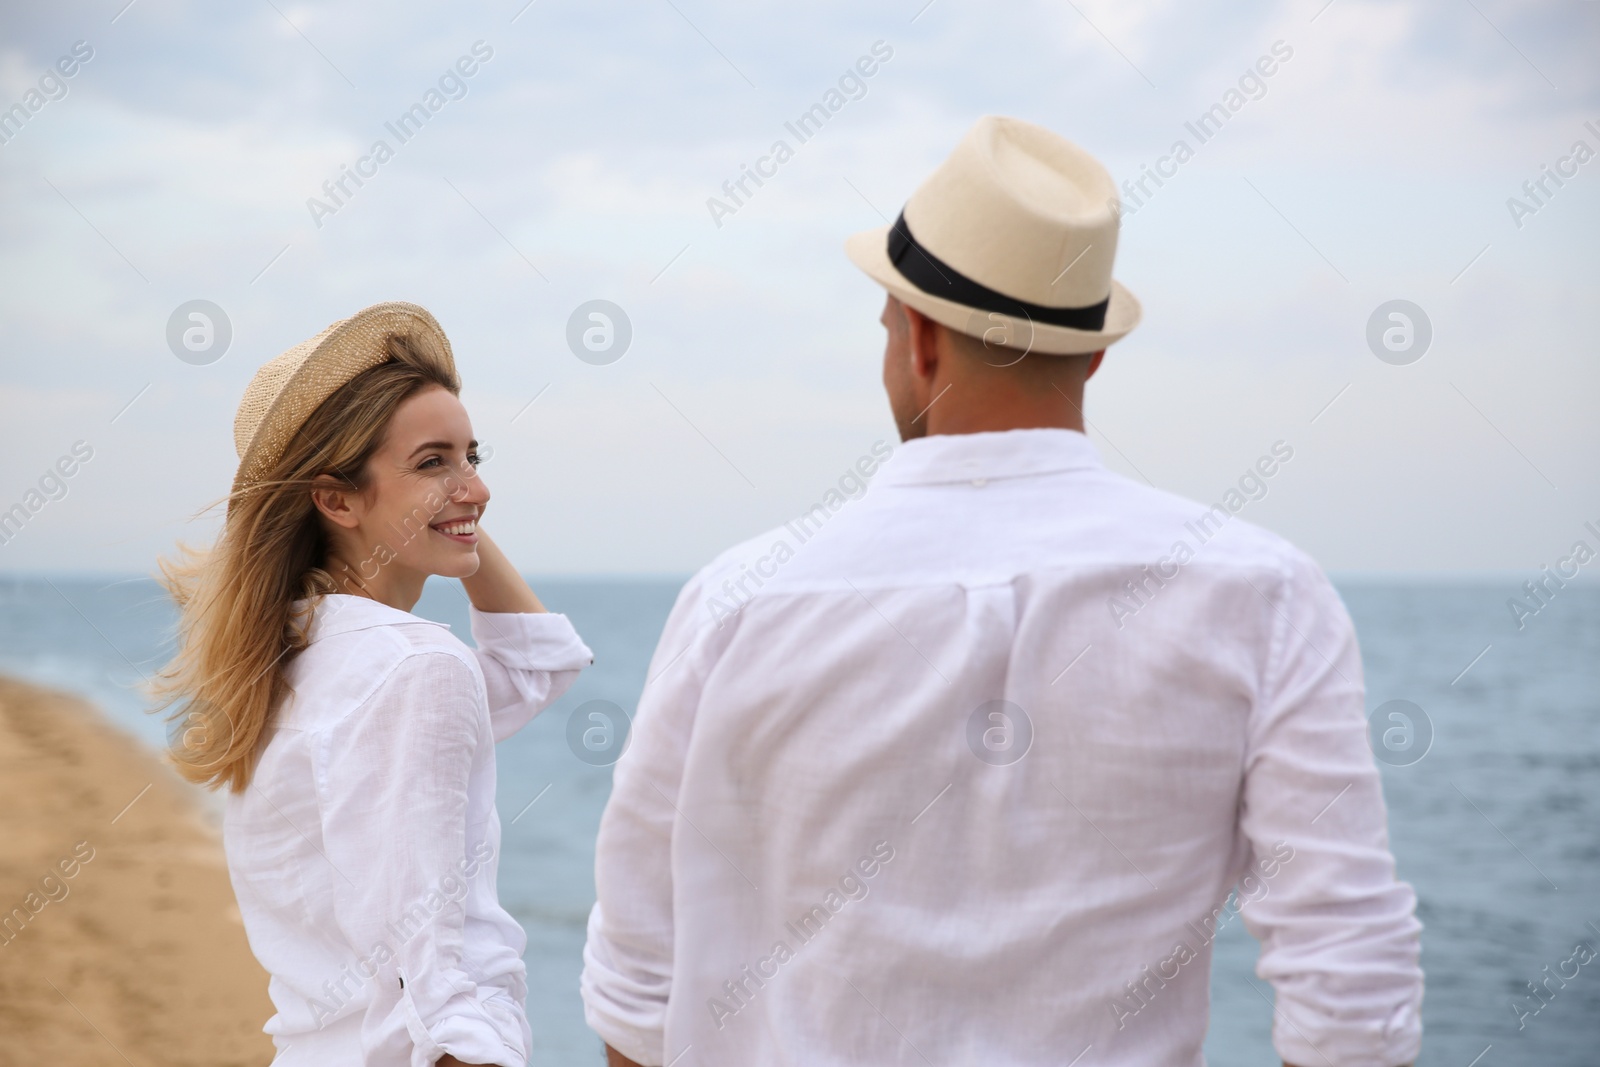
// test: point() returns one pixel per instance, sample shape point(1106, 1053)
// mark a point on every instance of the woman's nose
point(471, 488)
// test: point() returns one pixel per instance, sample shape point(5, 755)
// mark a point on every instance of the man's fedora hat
point(1011, 240)
point(287, 389)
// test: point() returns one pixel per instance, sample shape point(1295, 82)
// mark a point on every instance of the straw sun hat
point(286, 390)
point(1011, 239)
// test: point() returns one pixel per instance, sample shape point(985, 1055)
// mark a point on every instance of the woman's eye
point(472, 458)
point(431, 461)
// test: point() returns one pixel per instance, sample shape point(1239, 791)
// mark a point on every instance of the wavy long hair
point(239, 626)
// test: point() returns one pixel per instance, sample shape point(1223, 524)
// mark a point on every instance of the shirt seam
point(323, 732)
point(1274, 568)
point(402, 650)
point(942, 479)
point(1276, 646)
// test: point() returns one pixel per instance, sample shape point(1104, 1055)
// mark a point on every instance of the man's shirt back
point(963, 770)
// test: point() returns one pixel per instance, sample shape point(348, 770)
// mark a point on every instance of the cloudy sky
point(575, 163)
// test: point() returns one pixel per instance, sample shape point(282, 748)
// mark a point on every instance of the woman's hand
point(497, 587)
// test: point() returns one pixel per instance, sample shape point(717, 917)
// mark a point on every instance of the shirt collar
point(341, 613)
point(950, 459)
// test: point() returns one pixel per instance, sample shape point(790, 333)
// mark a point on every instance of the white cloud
point(590, 143)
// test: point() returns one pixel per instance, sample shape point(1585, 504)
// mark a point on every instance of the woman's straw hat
point(1011, 239)
point(286, 390)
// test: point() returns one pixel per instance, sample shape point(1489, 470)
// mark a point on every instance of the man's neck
point(987, 415)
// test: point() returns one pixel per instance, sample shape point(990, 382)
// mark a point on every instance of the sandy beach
point(120, 941)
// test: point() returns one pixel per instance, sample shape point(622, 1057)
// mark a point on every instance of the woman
point(357, 740)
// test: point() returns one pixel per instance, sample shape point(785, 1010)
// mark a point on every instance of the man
point(967, 776)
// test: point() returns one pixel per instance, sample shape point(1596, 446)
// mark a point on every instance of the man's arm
point(1338, 931)
point(617, 1059)
point(628, 958)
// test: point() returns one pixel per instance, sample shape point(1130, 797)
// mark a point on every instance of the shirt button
point(980, 482)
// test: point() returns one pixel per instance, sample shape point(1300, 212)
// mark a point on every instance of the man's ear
point(1094, 364)
point(922, 343)
point(337, 502)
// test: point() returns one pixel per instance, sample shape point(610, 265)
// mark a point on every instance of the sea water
point(1497, 825)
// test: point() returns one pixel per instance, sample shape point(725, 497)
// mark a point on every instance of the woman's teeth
point(460, 529)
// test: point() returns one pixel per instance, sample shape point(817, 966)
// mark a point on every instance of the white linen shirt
point(364, 851)
point(828, 844)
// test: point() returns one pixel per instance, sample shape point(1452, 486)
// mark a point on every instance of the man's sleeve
point(1339, 937)
point(627, 971)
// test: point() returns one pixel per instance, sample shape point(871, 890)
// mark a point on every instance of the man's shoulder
point(1220, 526)
point(1112, 521)
point(754, 561)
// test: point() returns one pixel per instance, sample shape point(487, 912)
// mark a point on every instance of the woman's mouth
point(464, 531)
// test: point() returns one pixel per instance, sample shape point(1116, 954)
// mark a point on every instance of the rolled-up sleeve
point(528, 660)
point(1339, 936)
point(393, 779)
point(627, 960)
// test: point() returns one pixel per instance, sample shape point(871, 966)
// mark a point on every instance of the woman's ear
point(337, 502)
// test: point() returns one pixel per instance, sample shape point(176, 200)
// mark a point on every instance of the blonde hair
point(239, 628)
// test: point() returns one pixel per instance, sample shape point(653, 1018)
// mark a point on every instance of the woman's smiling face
point(416, 515)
